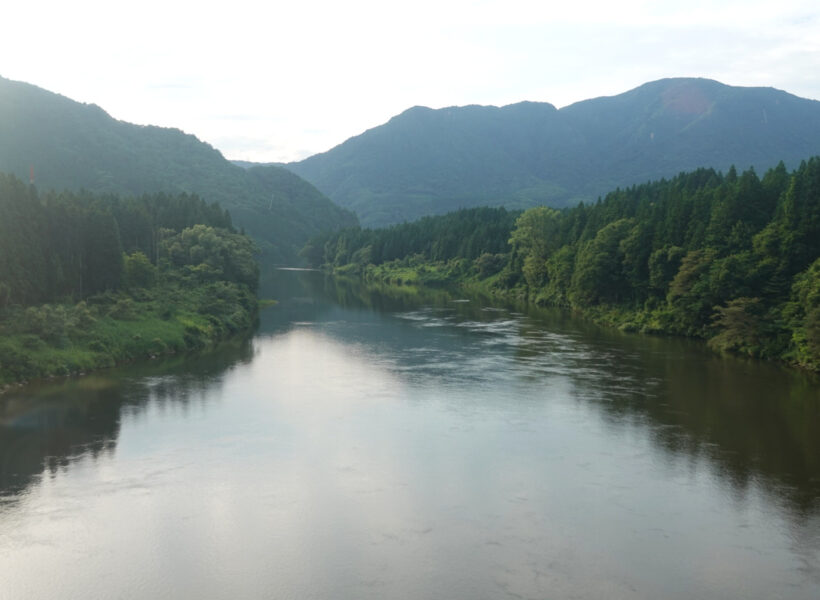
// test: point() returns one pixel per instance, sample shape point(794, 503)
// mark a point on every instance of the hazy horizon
point(280, 83)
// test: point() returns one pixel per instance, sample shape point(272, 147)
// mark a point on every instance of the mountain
point(72, 146)
point(427, 161)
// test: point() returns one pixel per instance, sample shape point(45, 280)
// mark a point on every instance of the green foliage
point(209, 254)
point(804, 317)
point(535, 237)
point(560, 267)
point(24, 247)
point(489, 264)
point(48, 322)
point(738, 325)
point(537, 232)
point(102, 263)
point(598, 275)
point(663, 265)
point(139, 272)
point(55, 340)
point(731, 259)
point(57, 250)
point(70, 246)
point(464, 234)
point(122, 310)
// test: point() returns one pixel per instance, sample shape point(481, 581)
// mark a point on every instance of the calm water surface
point(374, 445)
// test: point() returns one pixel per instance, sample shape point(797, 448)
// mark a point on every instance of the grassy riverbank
point(88, 282)
point(108, 329)
point(733, 332)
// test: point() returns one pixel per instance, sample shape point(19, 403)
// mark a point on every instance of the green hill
point(79, 146)
point(426, 161)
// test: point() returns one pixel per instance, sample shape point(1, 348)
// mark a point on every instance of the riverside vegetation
point(87, 282)
point(733, 259)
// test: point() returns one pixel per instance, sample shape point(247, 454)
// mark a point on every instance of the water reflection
point(44, 427)
point(374, 443)
point(757, 422)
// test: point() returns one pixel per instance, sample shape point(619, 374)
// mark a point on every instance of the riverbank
point(403, 421)
point(55, 340)
point(736, 334)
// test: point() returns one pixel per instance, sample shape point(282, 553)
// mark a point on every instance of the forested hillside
point(426, 161)
point(88, 281)
point(730, 258)
point(76, 146)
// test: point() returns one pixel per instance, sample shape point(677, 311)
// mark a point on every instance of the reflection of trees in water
point(754, 422)
point(43, 428)
point(355, 294)
point(43, 434)
point(310, 296)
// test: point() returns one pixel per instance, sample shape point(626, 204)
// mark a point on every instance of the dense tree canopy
point(213, 255)
point(69, 246)
point(732, 257)
point(88, 281)
point(467, 233)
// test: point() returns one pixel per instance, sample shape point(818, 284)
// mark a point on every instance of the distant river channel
point(377, 444)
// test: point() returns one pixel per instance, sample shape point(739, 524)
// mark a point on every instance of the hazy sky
point(276, 81)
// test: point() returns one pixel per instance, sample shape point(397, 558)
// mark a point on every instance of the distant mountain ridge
point(72, 146)
point(427, 161)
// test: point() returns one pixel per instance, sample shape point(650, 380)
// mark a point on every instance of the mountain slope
point(72, 145)
point(426, 161)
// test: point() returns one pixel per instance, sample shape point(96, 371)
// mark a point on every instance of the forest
point(466, 233)
point(730, 258)
point(68, 145)
point(87, 281)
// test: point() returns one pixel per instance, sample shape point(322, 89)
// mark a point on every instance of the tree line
point(732, 258)
point(88, 281)
point(69, 246)
point(466, 233)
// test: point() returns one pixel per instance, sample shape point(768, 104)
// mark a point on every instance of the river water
point(376, 444)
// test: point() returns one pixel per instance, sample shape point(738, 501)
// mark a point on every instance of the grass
point(65, 339)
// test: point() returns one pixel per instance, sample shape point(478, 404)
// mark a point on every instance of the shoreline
point(614, 317)
point(149, 330)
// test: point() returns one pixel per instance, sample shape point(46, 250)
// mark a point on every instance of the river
point(376, 444)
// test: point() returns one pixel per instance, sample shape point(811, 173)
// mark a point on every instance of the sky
point(279, 81)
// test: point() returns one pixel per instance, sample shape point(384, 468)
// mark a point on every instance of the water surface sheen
point(371, 444)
